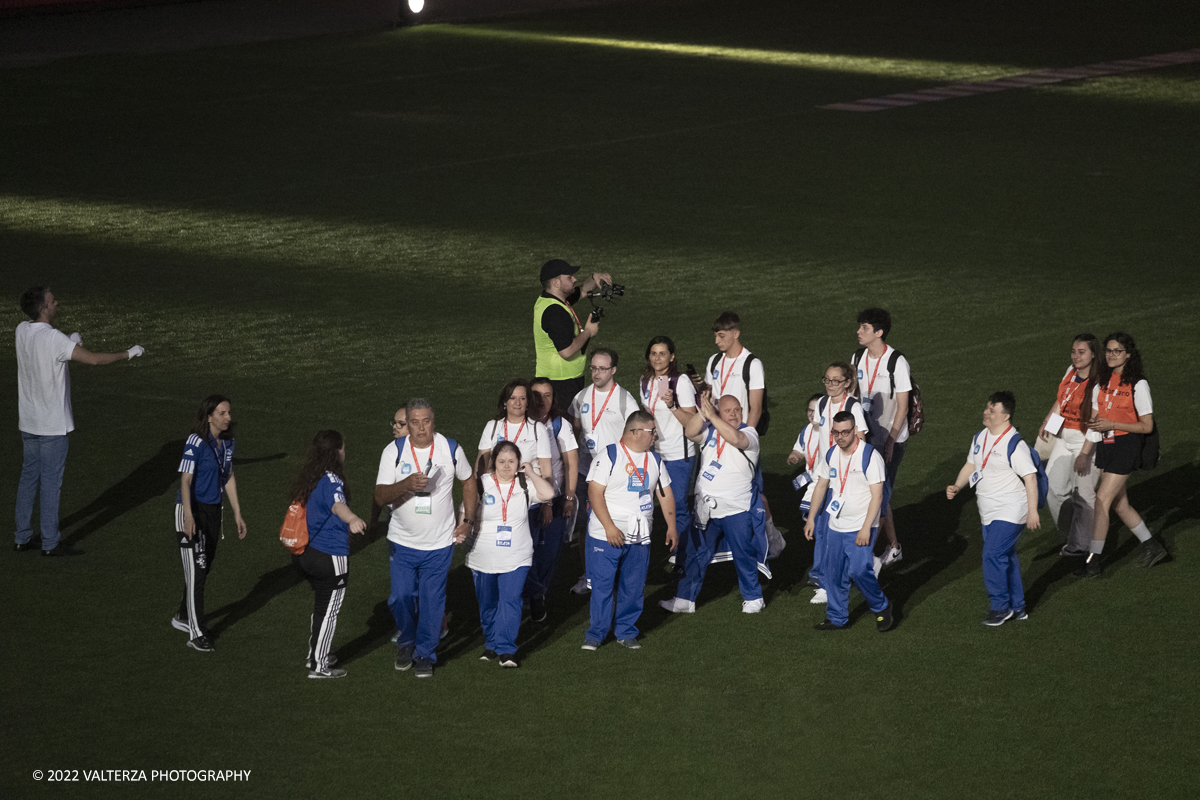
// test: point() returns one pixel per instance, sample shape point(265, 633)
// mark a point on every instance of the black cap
point(555, 267)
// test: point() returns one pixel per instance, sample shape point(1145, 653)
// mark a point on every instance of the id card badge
point(1110, 436)
point(647, 504)
point(1054, 424)
point(835, 508)
point(974, 479)
point(504, 536)
point(423, 503)
point(802, 480)
point(866, 405)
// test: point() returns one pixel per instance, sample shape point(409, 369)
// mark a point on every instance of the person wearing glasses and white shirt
point(853, 474)
point(725, 507)
point(622, 483)
point(598, 414)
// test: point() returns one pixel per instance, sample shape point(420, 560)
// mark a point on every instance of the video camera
point(607, 292)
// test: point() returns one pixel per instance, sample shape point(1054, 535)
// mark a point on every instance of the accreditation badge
point(423, 503)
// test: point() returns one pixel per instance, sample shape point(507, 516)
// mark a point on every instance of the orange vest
point(1071, 400)
point(1116, 402)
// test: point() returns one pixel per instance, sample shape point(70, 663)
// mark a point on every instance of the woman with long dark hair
point(1123, 415)
point(501, 552)
point(320, 487)
point(206, 476)
point(1072, 473)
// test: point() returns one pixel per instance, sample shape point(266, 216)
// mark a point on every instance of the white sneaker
point(878, 565)
point(582, 586)
point(892, 555)
point(753, 606)
point(677, 605)
point(819, 597)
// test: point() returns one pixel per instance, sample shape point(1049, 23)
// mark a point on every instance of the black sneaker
point(424, 668)
point(1072, 552)
point(509, 661)
point(1151, 553)
point(537, 609)
point(883, 620)
point(62, 549)
point(1091, 567)
point(487, 655)
point(21, 547)
point(1020, 613)
point(828, 626)
point(201, 643)
point(995, 619)
point(404, 657)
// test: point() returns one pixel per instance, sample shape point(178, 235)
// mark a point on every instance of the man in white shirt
point(725, 505)
point(621, 492)
point(1005, 480)
point(853, 474)
point(884, 384)
point(598, 414)
point(44, 414)
point(416, 475)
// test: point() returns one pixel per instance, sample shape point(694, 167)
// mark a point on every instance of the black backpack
point(764, 421)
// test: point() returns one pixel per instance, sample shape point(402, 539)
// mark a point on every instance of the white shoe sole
point(180, 626)
point(819, 598)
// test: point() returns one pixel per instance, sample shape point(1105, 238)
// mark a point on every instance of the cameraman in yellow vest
point(559, 337)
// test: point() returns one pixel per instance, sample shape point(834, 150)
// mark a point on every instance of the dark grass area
point(323, 228)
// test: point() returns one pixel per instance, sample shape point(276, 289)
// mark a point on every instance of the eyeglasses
point(651, 431)
point(840, 434)
point(1114, 352)
point(603, 369)
point(401, 422)
point(834, 381)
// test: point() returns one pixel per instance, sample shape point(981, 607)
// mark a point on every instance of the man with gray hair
point(416, 475)
point(44, 413)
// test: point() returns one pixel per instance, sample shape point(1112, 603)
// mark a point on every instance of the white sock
point(1141, 532)
point(1097, 546)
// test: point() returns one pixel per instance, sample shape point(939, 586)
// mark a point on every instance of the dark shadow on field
point(148, 480)
point(267, 587)
point(380, 627)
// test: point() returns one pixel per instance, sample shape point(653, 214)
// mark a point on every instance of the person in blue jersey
point(556, 516)
point(206, 474)
point(320, 486)
point(500, 553)
point(853, 474)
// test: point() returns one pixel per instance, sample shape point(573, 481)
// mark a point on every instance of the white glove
point(136, 351)
point(76, 338)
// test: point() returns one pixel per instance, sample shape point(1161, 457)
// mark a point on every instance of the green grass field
point(324, 228)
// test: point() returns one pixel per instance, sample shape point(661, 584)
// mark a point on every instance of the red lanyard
point(578, 324)
point(720, 444)
point(611, 392)
point(812, 459)
point(645, 473)
point(845, 398)
point(988, 454)
point(871, 383)
point(417, 464)
point(724, 377)
point(504, 500)
point(514, 441)
point(845, 472)
point(651, 398)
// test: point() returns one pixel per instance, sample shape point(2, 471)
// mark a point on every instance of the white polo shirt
point(43, 380)
point(601, 418)
point(725, 376)
point(495, 551)
point(851, 486)
point(1000, 492)
point(825, 420)
point(628, 492)
point(727, 477)
point(530, 437)
point(409, 525)
point(672, 445)
point(878, 399)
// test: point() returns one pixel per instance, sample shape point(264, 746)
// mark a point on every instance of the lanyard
point(514, 441)
point(1109, 388)
point(504, 500)
point(812, 459)
point(845, 472)
point(649, 394)
point(989, 452)
point(871, 383)
point(724, 377)
point(416, 463)
point(645, 473)
point(578, 324)
point(720, 443)
point(611, 392)
point(219, 457)
point(1074, 387)
point(845, 399)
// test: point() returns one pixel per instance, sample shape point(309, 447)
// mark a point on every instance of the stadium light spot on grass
point(826, 62)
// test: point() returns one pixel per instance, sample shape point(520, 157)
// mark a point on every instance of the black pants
point(328, 575)
point(197, 555)
point(565, 391)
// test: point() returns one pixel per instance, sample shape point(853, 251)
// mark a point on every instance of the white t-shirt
point(1142, 404)
point(531, 438)
point(601, 418)
point(852, 501)
point(825, 421)
point(725, 376)
point(878, 399)
point(495, 551)
point(563, 442)
point(43, 380)
point(672, 445)
point(729, 477)
point(410, 524)
point(1000, 491)
point(808, 445)
point(628, 492)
